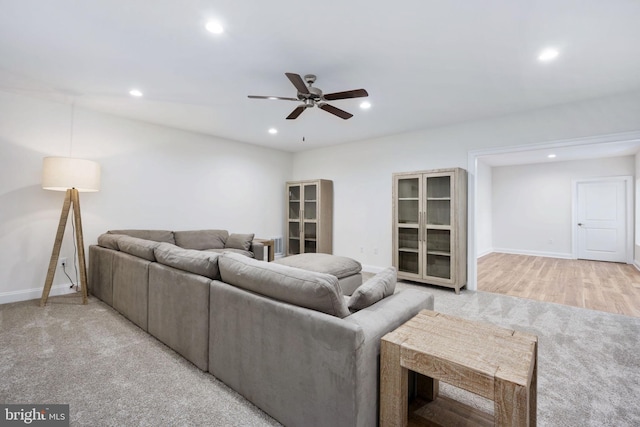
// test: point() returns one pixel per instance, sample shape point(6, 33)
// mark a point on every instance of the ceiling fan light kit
point(311, 96)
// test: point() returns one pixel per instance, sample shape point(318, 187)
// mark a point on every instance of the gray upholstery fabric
point(138, 247)
point(236, 251)
point(377, 321)
point(338, 266)
point(349, 284)
point(130, 287)
point(179, 312)
point(373, 290)
point(201, 239)
point(109, 241)
point(194, 261)
point(239, 241)
point(303, 367)
point(100, 273)
point(155, 235)
point(308, 289)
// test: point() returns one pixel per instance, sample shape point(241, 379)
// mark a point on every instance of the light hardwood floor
point(603, 286)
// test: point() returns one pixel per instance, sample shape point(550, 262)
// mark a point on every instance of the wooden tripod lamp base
point(71, 198)
point(71, 175)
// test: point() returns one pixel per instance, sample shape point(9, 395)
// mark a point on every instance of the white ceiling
point(425, 63)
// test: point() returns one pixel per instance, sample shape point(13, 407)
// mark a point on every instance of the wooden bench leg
point(511, 404)
point(394, 399)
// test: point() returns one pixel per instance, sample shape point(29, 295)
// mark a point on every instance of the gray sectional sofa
point(285, 338)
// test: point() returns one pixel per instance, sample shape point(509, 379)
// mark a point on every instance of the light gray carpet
point(113, 373)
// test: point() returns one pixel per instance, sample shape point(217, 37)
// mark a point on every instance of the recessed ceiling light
point(214, 27)
point(548, 54)
point(551, 156)
point(365, 105)
point(135, 92)
point(273, 131)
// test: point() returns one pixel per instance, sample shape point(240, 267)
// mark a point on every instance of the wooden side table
point(496, 363)
point(268, 243)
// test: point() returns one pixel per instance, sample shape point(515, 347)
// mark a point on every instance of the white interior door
point(602, 220)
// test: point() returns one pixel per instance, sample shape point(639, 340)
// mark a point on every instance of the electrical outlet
point(62, 262)
point(375, 251)
point(361, 249)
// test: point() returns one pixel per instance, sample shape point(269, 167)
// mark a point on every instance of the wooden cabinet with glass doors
point(309, 217)
point(430, 227)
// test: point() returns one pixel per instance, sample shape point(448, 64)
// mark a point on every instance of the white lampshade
point(63, 173)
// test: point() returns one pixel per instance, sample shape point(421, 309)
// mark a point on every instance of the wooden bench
point(496, 363)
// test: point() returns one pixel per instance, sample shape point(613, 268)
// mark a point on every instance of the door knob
point(580, 224)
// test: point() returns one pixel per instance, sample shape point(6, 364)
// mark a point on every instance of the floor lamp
point(72, 176)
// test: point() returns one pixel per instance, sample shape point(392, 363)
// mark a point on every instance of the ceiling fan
point(311, 96)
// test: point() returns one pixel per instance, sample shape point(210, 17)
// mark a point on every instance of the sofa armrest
point(376, 321)
point(258, 250)
point(388, 314)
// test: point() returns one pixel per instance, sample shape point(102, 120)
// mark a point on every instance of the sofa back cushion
point(316, 291)
point(373, 290)
point(201, 239)
point(155, 235)
point(191, 260)
point(239, 241)
point(138, 247)
point(109, 241)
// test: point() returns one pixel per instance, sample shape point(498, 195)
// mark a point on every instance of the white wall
point(362, 170)
point(152, 177)
point(532, 203)
point(484, 209)
point(637, 213)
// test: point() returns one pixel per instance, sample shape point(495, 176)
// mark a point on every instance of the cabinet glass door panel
point(309, 246)
point(310, 231)
point(438, 212)
point(439, 266)
point(408, 262)
point(408, 188)
point(294, 210)
point(439, 241)
point(294, 246)
point(408, 211)
point(408, 239)
point(310, 210)
point(439, 187)
point(408, 200)
point(310, 201)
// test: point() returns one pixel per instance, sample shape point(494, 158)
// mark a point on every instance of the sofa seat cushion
point(201, 239)
point(155, 235)
point(198, 262)
point(335, 265)
point(316, 291)
point(373, 290)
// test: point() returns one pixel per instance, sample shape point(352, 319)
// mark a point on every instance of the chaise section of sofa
point(280, 336)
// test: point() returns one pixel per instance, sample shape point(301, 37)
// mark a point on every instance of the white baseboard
point(636, 264)
point(485, 252)
point(562, 255)
point(34, 293)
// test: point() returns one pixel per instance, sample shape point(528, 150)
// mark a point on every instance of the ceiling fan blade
point(357, 93)
point(273, 97)
point(295, 113)
point(297, 82)
point(335, 111)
